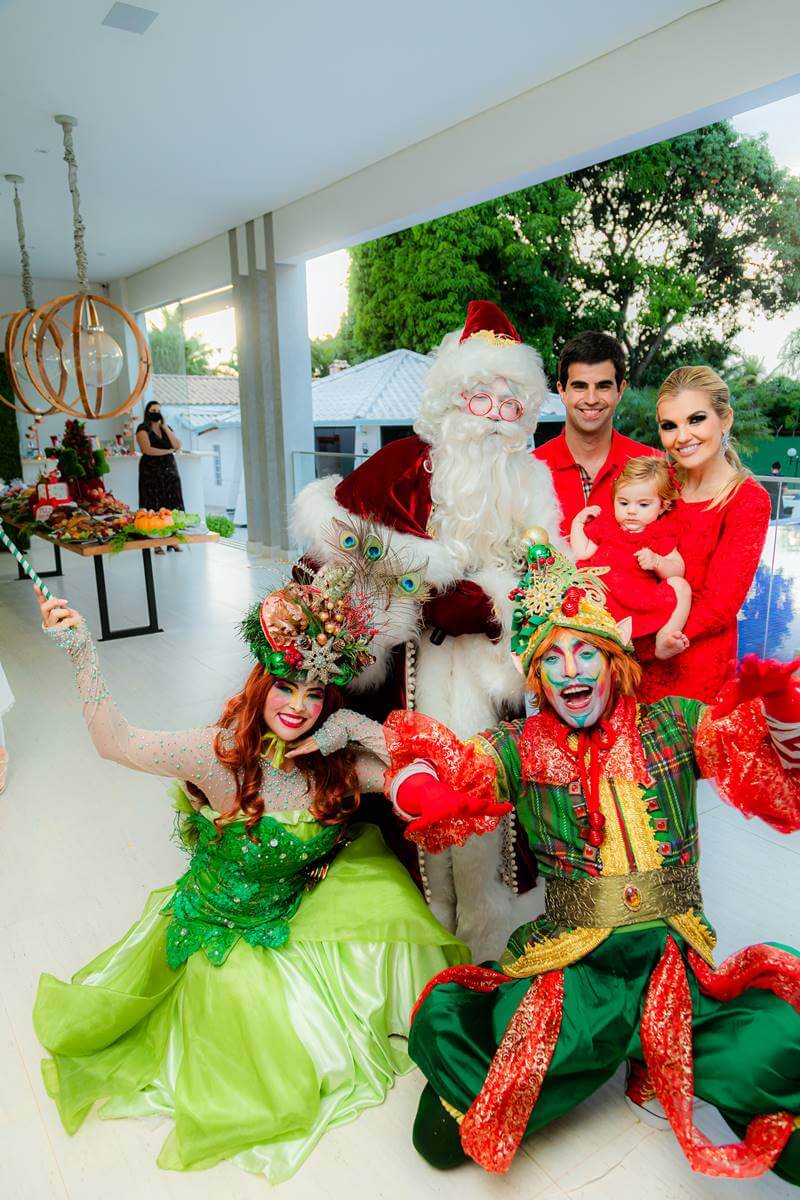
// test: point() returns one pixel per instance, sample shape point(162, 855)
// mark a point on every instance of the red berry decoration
point(597, 821)
point(595, 837)
point(571, 602)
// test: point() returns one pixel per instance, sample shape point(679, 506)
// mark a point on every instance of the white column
point(295, 372)
point(274, 379)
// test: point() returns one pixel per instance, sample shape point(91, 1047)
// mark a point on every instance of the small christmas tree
point(78, 463)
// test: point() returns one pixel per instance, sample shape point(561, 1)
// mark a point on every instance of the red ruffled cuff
point(736, 751)
point(411, 736)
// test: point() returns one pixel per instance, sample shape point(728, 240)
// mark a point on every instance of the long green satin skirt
point(253, 1059)
point(746, 1050)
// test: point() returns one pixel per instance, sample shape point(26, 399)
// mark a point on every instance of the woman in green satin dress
point(265, 997)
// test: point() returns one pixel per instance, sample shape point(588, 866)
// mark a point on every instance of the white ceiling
point(222, 111)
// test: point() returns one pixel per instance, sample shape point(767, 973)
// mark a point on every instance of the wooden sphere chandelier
point(20, 322)
point(65, 338)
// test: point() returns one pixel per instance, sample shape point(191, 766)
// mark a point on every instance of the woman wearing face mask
point(723, 516)
point(253, 1011)
point(159, 480)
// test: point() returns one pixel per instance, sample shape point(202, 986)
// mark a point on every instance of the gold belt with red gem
point(607, 901)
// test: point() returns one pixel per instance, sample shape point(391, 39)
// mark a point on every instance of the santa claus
point(456, 499)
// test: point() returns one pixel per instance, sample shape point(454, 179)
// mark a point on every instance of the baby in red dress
point(638, 546)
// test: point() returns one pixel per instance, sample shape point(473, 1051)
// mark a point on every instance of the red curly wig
point(332, 780)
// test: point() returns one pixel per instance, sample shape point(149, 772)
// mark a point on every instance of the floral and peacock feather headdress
point(321, 629)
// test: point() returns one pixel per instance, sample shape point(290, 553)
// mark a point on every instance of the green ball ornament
point(276, 663)
point(538, 554)
point(344, 677)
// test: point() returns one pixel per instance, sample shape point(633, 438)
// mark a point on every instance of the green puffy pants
point(746, 1050)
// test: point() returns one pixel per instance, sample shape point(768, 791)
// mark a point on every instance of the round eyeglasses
point(480, 404)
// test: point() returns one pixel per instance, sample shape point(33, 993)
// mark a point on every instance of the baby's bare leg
point(670, 639)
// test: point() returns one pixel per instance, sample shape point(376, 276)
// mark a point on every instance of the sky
point(326, 277)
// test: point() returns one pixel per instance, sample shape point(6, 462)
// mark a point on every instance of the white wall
point(224, 495)
point(200, 269)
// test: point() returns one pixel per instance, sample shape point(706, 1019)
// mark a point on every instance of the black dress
point(159, 481)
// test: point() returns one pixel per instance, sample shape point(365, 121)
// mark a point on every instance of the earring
point(726, 441)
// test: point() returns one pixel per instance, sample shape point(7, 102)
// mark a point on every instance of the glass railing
point(311, 464)
point(769, 622)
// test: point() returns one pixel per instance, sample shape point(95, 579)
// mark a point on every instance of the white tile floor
point(82, 842)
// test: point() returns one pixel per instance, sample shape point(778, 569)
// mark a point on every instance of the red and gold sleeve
point(750, 763)
point(413, 738)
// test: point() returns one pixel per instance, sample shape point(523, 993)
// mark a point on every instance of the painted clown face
point(577, 680)
point(292, 709)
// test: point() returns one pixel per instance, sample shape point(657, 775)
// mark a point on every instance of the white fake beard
point(482, 484)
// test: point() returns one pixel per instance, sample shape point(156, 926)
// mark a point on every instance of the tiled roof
point(181, 390)
point(553, 408)
point(387, 388)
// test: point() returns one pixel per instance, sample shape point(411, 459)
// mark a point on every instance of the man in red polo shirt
point(586, 458)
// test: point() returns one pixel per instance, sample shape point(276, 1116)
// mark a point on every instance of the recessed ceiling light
point(129, 17)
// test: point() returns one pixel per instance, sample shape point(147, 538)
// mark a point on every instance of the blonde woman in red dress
point(724, 517)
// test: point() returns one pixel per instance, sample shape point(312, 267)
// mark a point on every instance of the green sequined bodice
point(236, 887)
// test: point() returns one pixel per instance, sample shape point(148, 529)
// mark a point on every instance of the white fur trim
point(467, 682)
point(418, 767)
point(316, 506)
point(497, 583)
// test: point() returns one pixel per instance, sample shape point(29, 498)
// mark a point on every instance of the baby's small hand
point(646, 559)
point(592, 510)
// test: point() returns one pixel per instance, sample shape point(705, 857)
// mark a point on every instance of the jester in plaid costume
point(620, 966)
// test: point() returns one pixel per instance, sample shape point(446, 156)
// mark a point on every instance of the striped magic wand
point(23, 562)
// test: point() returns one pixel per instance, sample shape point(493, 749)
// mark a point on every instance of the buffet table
point(122, 479)
point(96, 551)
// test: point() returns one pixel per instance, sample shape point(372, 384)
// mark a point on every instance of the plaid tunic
point(648, 824)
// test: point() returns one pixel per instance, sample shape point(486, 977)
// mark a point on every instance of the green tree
point(789, 357)
point(667, 247)
point(778, 398)
point(174, 353)
point(636, 418)
point(636, 415)
point(743, 372)
point(685, 237)
point(408, 289)
point(323, 352)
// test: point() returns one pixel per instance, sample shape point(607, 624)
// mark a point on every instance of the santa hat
point(489, 323)
point(486, 348)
